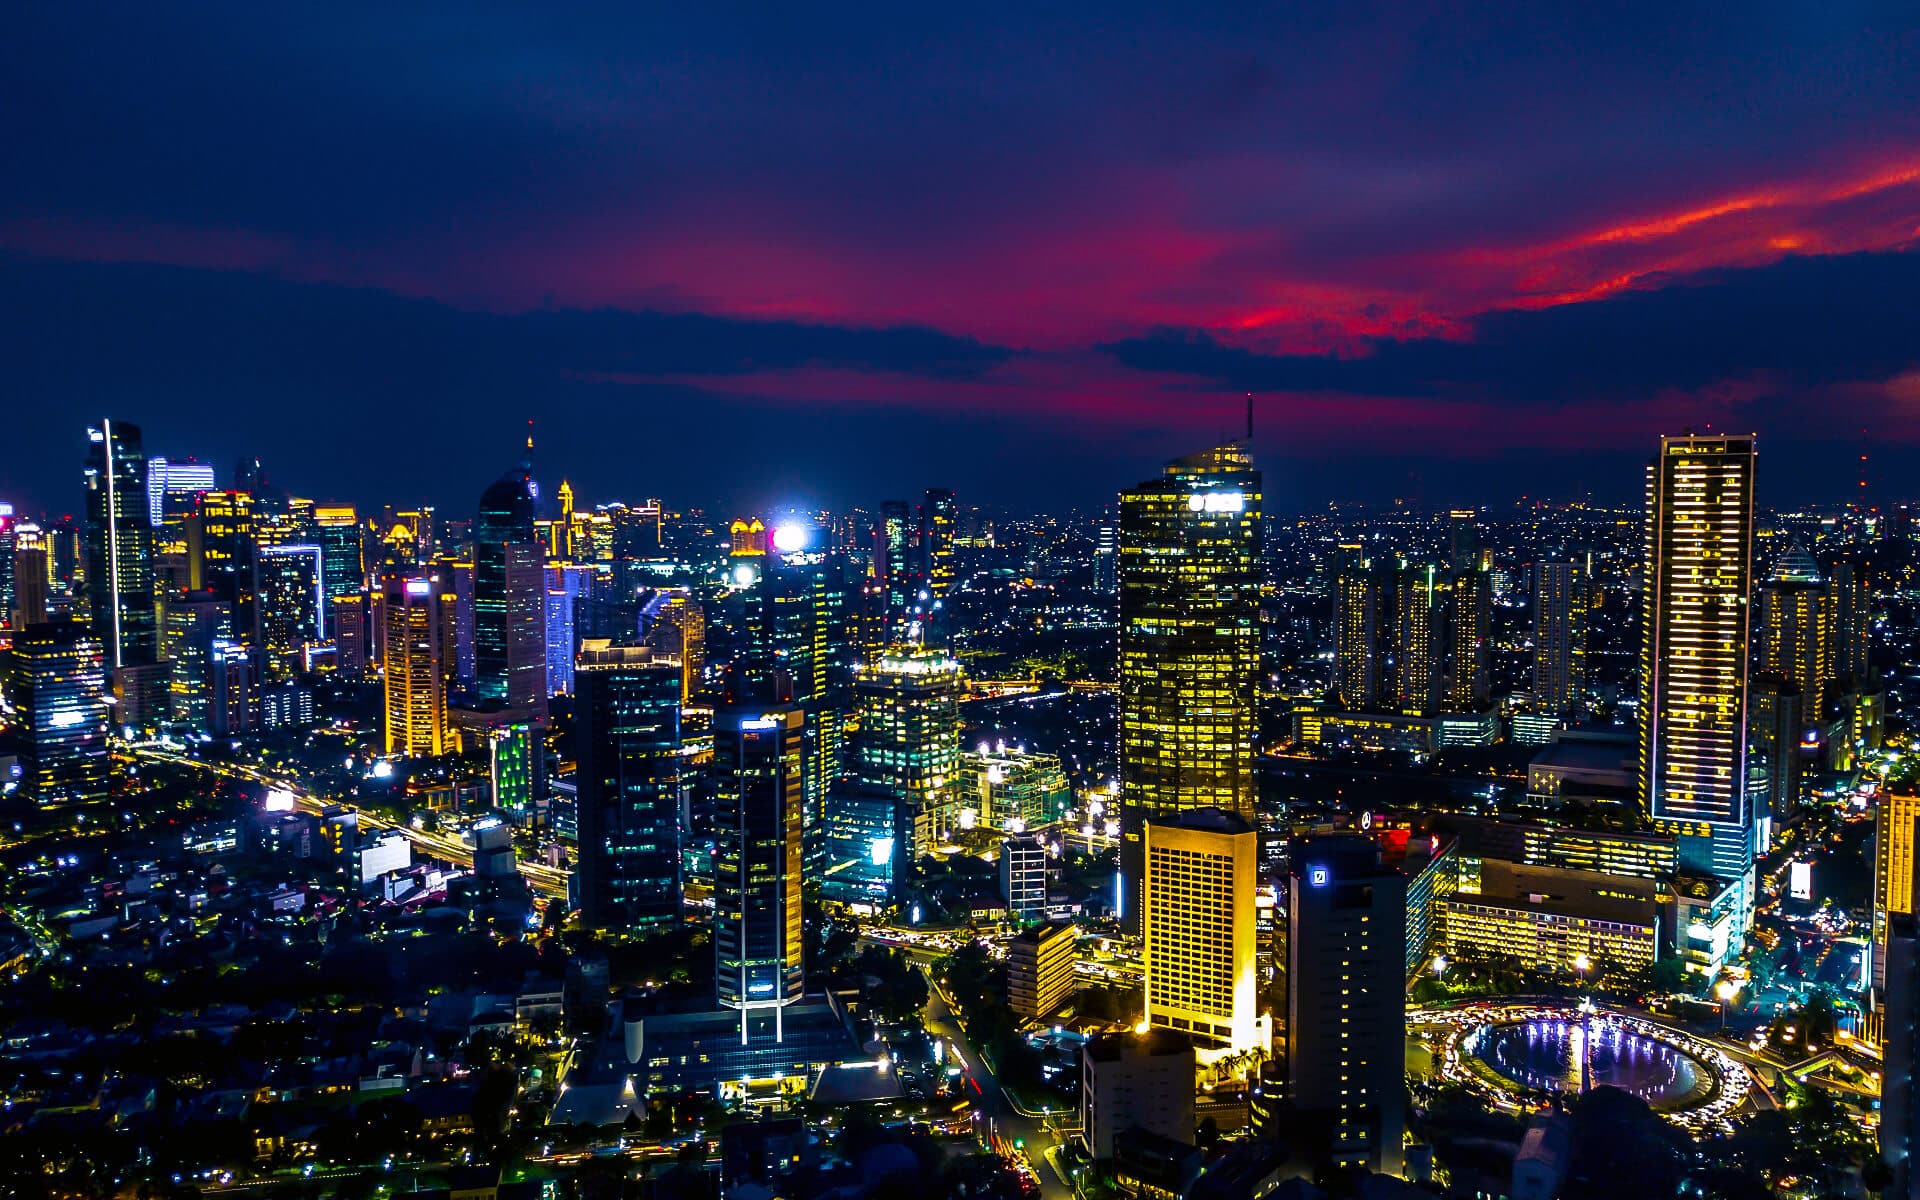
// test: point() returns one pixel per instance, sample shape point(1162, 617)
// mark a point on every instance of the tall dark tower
point(509, 598)
point(632, 781)
point(119, 546)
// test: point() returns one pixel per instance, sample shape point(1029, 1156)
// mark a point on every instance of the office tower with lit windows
point(190, 623)
point(866, 839)
point(1775, 726)
point(1559, 636)
point(1797, 631)
point(1023, 878)
point(220, 553)
point(413, 619)
point(1197, 922)
point(1106, 556)
point(1853, 621)
point(632, 781)
point(1358, 613)
point(939, 515)
point(1694, 652)
point(56, 677)
point(343, 551)
point(908, 707)
point(1040, 974)
point(676, 625)
point(234, 693)
point(1189, 641)
point(1417, 623)
point(796, 625)
point(1463, 540)
point(758, 746)
point(291, 598)
point(173, 485)
point(509, 599)
point(892, 566)
point(8, 541)
point(1470, 631)
point(1012, 790)
point(119, 570)
point(1346, 996)
point(32, 575)
point(1896, 831)
point(566, 584)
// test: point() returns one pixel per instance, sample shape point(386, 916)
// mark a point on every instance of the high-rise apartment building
point(1559, 636)
point(119, 547)
point(413, 620)
point(1471, 634)
point(1694, 651)
point(191, 622)
point(56, 679)
point(1418, 619)
point(1358, 612)
point(220, 553)
point(1797, 632)
point(1197, 920)
point(632, 781)
point(1853, 621)
point(509, 599)
point(758, 747)
point(909, 739)
point(939, 517)
point(677, 625)
point(1346, 996)
point(1040, 973)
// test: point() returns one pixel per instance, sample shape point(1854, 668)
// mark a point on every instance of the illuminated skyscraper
point(191, 622)
point(1853, 621)
point(1896, 831)
point(1797, 631)
point(1106, 556)
point(1463, 540)
point(1900, 1086)
point(677, 626)
point(1189, 641)
point(413, 650)
point(1693, 665)
point(57, 684)
point(1197, 921)
point(509, 599)
point(757, 942)
point(1471, 630)
point(632, 781)
point(1417, 618)
point(892, 566)
point(909, 739)
point(9, 524)
point(566, 584)
point(343, 547)
point(292, 605)
point(1559, 636)
point(220, 553)
point(32, 574)
point(796, 619)
point(119, 544)
point(1357, 614)
point(1346, 996)
point(172, 486)
point(938, 516)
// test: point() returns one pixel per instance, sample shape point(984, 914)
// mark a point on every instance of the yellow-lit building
point(1576, 923)
point(1357, 613)
point(1895, 831)
point(414, 662)
point(1197, 920)
point(908, 709)
point(1694, 654)
point(1040, 973)
point(1189, 572)
point(1797, 636)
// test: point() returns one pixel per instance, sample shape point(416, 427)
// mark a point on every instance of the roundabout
point(1521, 1055)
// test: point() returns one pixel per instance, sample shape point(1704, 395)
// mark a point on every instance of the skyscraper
point(191, 622)
point(757, 752)
point(1346, 996)
point(1797, 631)
point(1357, 615)
point(1417, 622)
point(57, 685)
point(1471, 628)
point(796, 619)
point(677, 625)
point(1853, 620)
point(1559, 636)
point(1189, 642)
point(909, 739)
point(119, 541)
point(1197, 920)
point(1896, 832)
point(1899, 1085)
point(178, 482)
point(291, 597)
point(1189, 650)
point(939, 514)
point(343, 553)
point(413, 661)
point(1693, 664)
point(32, 574)
point(220, 553)
point(509, 599)
point(631, 781)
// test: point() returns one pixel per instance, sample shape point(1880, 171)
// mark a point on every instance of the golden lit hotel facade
point(1197, 918)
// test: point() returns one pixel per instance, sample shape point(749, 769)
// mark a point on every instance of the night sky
point(739, 258)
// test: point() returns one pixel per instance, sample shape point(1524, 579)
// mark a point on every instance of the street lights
point(1727, 990)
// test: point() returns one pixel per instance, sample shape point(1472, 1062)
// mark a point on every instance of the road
point(545, 881)
point(1005, 1126)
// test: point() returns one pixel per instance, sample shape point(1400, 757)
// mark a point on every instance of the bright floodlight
point(791, 539)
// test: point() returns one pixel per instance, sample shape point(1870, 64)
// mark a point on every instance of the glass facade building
point(630, 785)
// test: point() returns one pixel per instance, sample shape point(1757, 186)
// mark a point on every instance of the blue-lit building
point(867, 843)
point(57, 684)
